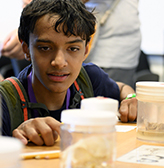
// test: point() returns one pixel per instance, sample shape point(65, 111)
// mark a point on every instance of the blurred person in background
point(116, 43)
point(11, 46)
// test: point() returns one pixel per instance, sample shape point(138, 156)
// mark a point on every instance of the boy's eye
point(44, 48)
point(74, 49)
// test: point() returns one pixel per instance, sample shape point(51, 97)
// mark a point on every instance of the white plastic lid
point(150, 84)
point(10, 150)
point(88, 117)
point(150, 90)
point(100, 103)
point(9, 144)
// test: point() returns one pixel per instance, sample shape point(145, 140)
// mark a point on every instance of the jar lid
point(88, 117)
point(10, 145)
point(10, 150)
point(150, 84)
point(150, 90)
point(100, 103)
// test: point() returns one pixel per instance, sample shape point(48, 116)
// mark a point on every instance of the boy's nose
point(59, 59)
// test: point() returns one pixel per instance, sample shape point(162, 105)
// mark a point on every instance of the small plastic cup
point(10, 150)
point(87, 139)
point(150, 117)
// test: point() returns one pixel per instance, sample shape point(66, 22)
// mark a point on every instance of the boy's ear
point(86, 51)
point(26, 51)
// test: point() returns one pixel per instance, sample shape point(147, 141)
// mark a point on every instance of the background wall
point(9, 16)
point(152, 27)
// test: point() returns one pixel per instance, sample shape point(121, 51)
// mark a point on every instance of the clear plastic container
point(150, 117)
point(10, 150)
point(87, 139)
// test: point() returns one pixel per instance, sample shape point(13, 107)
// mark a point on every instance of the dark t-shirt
point(102, 86)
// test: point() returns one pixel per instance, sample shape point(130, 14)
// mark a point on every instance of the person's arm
point(43, 130)
point(84, 1)
point(25, 2)
point(1, 78)
point(11, 46)
point(128, 107)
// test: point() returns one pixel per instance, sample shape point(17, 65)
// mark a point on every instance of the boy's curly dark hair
point(73, 19)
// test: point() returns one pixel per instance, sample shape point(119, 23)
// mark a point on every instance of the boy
point(55, 36)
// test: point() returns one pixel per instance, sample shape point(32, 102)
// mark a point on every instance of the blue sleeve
point(102, 84)
point(6, 123)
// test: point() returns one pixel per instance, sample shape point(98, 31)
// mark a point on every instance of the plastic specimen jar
point(87, 139)
point(10, 150)
point(150, 117)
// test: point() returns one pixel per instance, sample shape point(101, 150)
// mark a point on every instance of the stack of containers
point(88, 134)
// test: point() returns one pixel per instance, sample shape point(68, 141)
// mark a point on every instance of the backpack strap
point(18, 103)
point(85, 84)
point(78, 89)
point(22, 95)
point(12, 99)
point(25, 104)
point(83, 88)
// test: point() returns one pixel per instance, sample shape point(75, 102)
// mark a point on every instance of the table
point(126, 142)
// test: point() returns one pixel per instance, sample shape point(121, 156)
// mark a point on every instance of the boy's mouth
point(58, 77)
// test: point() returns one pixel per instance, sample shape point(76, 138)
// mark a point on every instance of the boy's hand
point(128, 110)
point(47, 127)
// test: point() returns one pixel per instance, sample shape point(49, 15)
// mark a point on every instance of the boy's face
point(56, 58)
